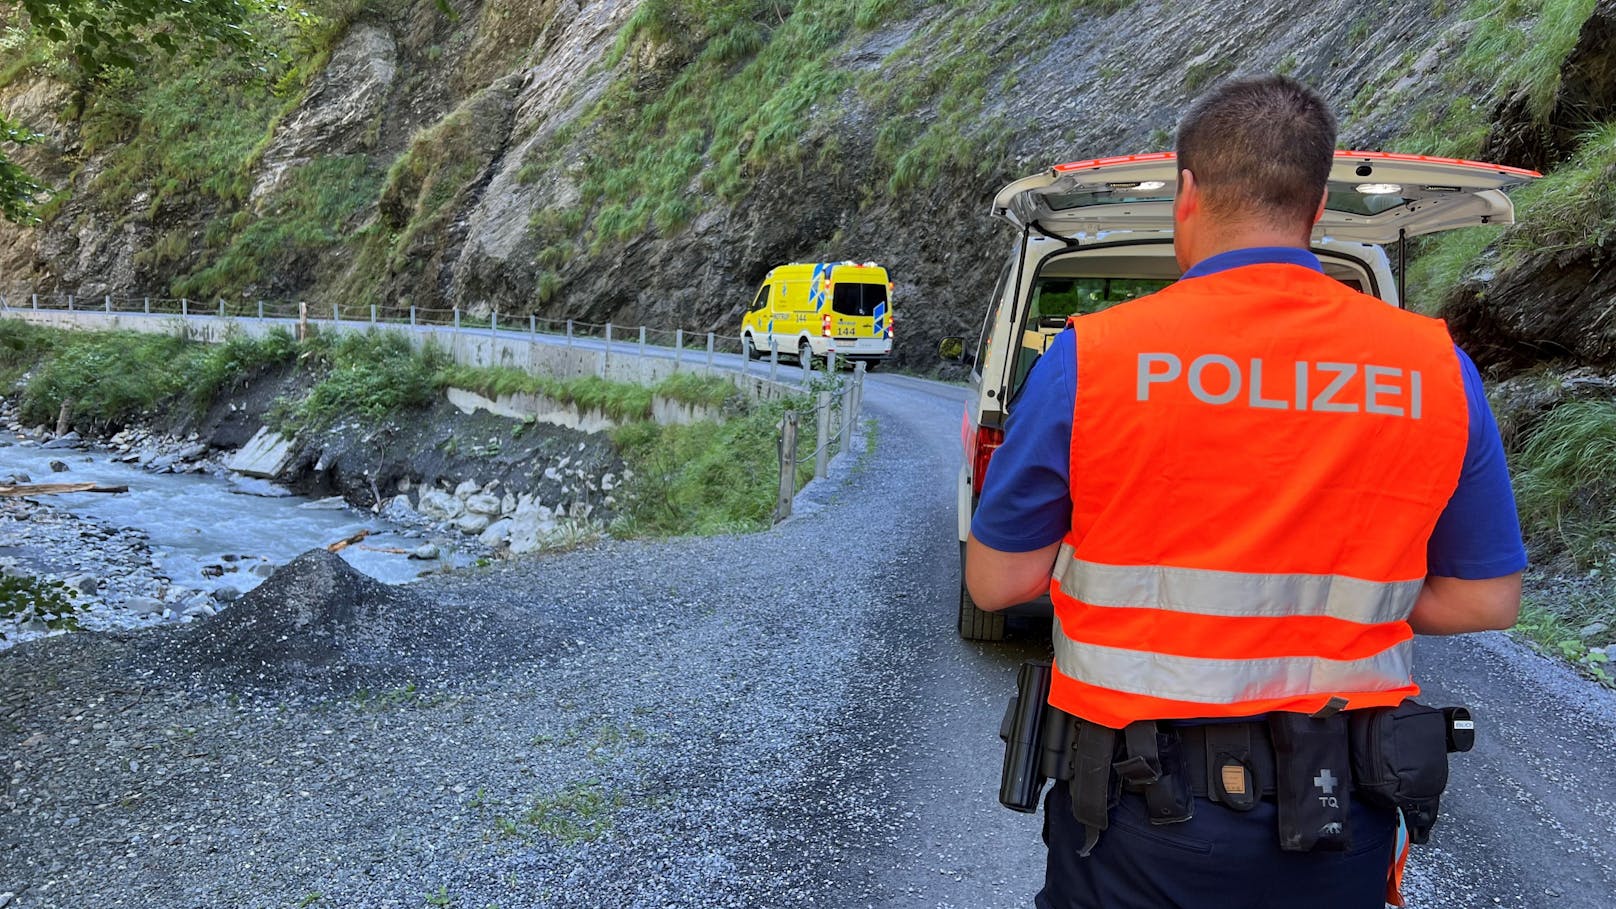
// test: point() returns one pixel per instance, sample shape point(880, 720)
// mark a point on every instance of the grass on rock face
point(1566, 480)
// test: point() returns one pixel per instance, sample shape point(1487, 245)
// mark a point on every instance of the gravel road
point(777, 720)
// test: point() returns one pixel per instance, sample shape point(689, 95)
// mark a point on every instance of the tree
point(96, 36)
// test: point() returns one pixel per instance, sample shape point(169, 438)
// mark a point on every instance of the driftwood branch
point(340, 545)
point(41, 489)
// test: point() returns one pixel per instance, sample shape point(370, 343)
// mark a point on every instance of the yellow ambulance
point(811, 309)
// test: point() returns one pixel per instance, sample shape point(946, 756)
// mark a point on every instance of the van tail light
point(891, 324)
point(824, 325)
point(983, 444)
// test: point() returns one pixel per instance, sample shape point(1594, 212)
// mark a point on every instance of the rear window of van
point(852, 299)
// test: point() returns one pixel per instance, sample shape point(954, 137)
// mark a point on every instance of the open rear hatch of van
point(1375, 197)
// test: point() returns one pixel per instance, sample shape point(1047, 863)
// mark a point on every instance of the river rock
point(530, 531)
point(399, 511)
point(266, 455)
point(425, 552)
point(262, 570)
point(467, 489)
point(473, 523)
point(58, 466)
point(497, 532)
point(143, 605)
point(483, 503)
point(439, 505)
point(1593, 629)
point(85, 584)
point(226, 594)
point(69, 440)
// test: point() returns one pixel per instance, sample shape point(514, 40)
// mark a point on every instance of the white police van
point(1092, 234)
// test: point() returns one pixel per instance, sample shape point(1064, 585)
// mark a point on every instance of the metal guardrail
point(836, 410)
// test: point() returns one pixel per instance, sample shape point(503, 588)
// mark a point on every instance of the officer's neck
point(1203, 244)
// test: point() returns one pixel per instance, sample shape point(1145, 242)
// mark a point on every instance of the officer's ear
point(1187, 199)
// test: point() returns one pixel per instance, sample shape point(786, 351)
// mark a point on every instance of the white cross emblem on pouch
point(1325, 781)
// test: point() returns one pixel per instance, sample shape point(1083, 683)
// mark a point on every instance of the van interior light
point(1379, 189)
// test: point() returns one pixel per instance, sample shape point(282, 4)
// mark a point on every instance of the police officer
point(1244, 494)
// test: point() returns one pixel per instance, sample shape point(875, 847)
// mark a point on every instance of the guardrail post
point(146, 305)
point(774, 356)
point(569, 332)
point(412, 315)
point(788, 466)
point(830, 363)
point(36, 301)
point(185, 308)
point(858, 391)
point(606, 355)
point(373, 314)
point(678, 347)
point(336, 312)
point(493, 320)
point(69, 302)
point(710, 352)
point(608, 336)
point(822, 424)
point(221, 308)
point(4, 303)
point(108, 301)
point(532, 325)
point(642, 345)
point(844, 423)
point(457, 318)
point(302, 320)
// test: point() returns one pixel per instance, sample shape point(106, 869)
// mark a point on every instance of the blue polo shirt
point(1026, 498)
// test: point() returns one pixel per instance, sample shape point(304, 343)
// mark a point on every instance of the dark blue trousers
point(1219, 859)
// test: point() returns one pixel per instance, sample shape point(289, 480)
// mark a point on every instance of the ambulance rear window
point(853, 299)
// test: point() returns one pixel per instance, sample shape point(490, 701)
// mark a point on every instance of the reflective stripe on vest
point(1258, 459)
point(1217, 683)
point(1227, 593)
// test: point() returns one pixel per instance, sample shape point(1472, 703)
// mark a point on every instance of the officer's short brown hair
point(1259, 147)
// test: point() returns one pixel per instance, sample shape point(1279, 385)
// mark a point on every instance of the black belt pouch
point(1400, 759)
point(1312, 781)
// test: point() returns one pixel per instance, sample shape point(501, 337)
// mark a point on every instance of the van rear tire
point(748, 349)
point(976, 624)
point(805, 352)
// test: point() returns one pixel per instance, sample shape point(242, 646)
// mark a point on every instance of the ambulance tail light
point(824, 325)
point(983, 444)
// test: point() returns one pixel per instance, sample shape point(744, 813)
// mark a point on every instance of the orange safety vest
point(1258, 458)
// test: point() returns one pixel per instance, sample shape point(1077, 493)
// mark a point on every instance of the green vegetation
point(582, 812)
point(28, 600)
point(706, 478)
point(1566, 479)
point(1513, 48)
point(305, 218)
point(747, 80)
point(370, 376)
point(92, 39)
point(1560, 631)
point(112, 377)
point(1571, 207)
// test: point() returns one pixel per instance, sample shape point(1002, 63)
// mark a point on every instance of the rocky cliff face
point(470, 150)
